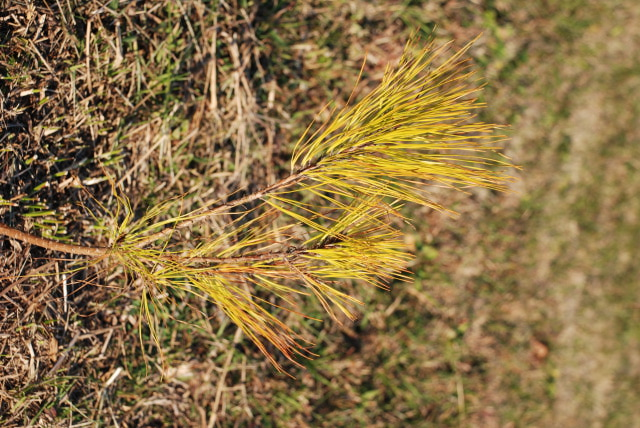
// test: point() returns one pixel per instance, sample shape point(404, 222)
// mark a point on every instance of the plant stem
point(292, 179)
point(50, 244)
point(103, 251)
point(288, 254)
point(82, 250)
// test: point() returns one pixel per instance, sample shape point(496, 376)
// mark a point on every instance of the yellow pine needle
point(254, 320)
point(393, 140)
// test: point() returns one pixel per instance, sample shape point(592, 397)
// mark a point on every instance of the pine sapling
point(330, 220)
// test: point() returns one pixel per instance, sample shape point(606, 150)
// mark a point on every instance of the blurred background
point(524, 309)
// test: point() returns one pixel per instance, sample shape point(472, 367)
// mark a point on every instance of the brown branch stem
point(83, 250)
point(50, 244)
point(279, 185)
point(289, 253)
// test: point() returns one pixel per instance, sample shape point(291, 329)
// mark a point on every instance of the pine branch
point(50, 244)
point(198, 217)
point(414, 130)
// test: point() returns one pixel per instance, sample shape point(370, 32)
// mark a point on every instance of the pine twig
point(197, 218)
point(50, 244)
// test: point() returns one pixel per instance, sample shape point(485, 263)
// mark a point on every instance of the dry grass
point(161, 96)
point(523, 311)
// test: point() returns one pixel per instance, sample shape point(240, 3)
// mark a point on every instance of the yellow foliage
point(416, 129)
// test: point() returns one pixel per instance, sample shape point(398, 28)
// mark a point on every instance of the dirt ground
point(524, 309)
point(578, 140)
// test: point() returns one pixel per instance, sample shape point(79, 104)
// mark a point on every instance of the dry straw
point(330, 219)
